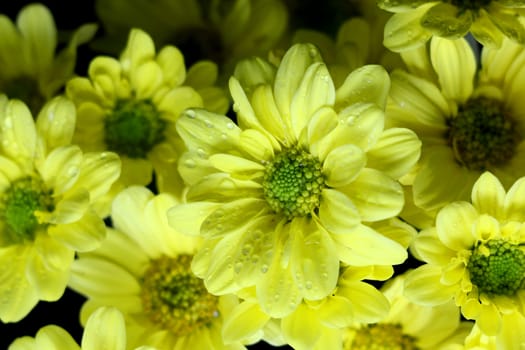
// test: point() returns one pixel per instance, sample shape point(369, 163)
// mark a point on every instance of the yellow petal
point(18, 131)
point(364, 246)
point(488, 195)
point(105, 329)
point(337, 312)
point(302, 328)
point(54, 338)
point(369, 304)
point(489, 320)
point(266, 110)
point(61, 168)
point(485, 31)
point(337, 213)
point(423, 286)
point(85, 234)
point(235, 165)
point(403, 31)
point(98, 172)
point(376, 195)
point(455, 66)
point(56, 122)
point(201, 74)
point(368, 84)
point(177, 100)
point(139, 50)
point(395, 153)
point(455, 224)
point(187, 218)
point(244, 321)
point(15, 288)
point(430, 249)
point(515, 201)
point(171, 61)
point(314, 260)
point(343, 164)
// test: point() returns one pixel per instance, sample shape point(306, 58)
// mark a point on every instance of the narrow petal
point(187, 218)
point(56, 122)
point(235, 165)
point(427, 247)
point(489, 320)
point(454, 224)
point(69, 209)
point(171, 61)
point(105, 329)
point(61, 168)
point(510, 24)
point(18, 131)
point(265, 108)
point(376, 195)
point(343, 164)
point(485, 31)
point(515, 201)
point(455, 66)
point(400, 24)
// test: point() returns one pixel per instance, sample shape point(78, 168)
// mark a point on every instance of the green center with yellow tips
point(17, 209)
point(293, 182)
point(174, 298)
point(133, 128)
point(381, 336)
point(497, 267)
point(482, 135)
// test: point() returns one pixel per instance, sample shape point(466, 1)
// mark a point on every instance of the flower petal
point(187, 218)
point(342, 165)
point(82, 235)
point(454, 225)
point(400, 24)
point(337, 213)
point(488, 195)
point(368, 84)
point(302, 328)
point(243, 321)
point(105, 329)
point(447, 20)
point(423, 286)
point(56, 122)
point(369, 304)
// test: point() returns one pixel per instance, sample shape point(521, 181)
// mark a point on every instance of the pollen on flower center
point(17, 209)
point(497, 267)
point(470, 4)
point(381, 337)
point(293, 182)
point(25, 89)
point(174, 298)
point(482, 135)
point(133, 128)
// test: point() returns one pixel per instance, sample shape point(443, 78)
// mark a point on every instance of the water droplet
point(276, 297)
point(208, 123)
point(264, 268)
point(246, 249)
point(255, 259)
point(8, 124)
point(190, 113)
point(190, 163)
point(224, 136)
point(72, 171)
point(201, 153)
point(238, 267)
point(103, 155)
point(230, 125)
point(51, 116)
point(308, 284)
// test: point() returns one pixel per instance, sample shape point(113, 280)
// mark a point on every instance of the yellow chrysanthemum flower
point(282, 198)
point(319, 323)
point(48, 189)
point(467, 126)
point(130, 106)
point(105, 329)
point(218, 30)
point(358, 42)
point(408, 326)
point(475, 255)
point(415, 21)
point(143, 269)
point(30, 70)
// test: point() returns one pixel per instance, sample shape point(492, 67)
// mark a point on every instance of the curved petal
point(376, 195)
point(404, 32)
point(188, 217)
point(447, 20)
point(56, 122)
point(423, 286)
point(244, 321)
point(343, 164)
point(337, 213)
point(105, 329)
point(83, 235)
point(488, 195)
point(454, 225)
point(369, 304)
point(61, 168)
point(54, 338)
point(19, 137)
point(302, 328)
point(515, 201)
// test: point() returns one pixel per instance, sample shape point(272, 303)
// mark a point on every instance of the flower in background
point(467, 126)
point(475, 255)
point(30, 70)
point(358, 42)
point(129, 106)
point(105, 329)
point(48, 193)
point(222, 31)
point(408, 326)
point(285, 196)
point(143, 269)
point(415, 21)
point(509, 338)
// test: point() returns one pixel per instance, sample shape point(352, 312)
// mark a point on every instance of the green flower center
point(470, 4)
point(174, 298)
point(293, 182)
point(17, 209)
point(25, 89)
point(381, 337)
point(481, 135)
point(497, 267)
point(133, 128)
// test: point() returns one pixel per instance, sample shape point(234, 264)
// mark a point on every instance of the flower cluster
point(223, 175)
